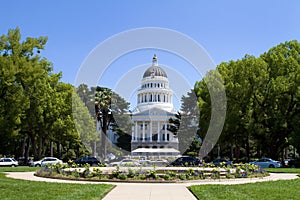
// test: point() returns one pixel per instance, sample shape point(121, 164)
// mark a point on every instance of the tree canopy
point(35, 107)
point(262, 102)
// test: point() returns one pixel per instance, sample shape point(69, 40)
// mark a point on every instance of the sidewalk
point(155, 191)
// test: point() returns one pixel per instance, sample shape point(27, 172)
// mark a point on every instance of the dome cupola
point(154, 70)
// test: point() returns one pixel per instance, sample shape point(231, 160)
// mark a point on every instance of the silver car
point(266, 163)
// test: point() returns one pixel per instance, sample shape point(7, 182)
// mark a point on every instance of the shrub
point(115, 173)
point(131, 173)
point(167, 177)
point(97, 172)
point(151, 174)
point(182, 176)
point(122, 176)
point(75, 174)
point(142, 176)
point(215, 174)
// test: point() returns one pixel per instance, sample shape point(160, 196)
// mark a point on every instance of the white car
point(126, 163)
point(129, 163)
point(45, 161)
point(9, 162)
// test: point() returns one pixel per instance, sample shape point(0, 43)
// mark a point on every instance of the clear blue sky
point(226, 29)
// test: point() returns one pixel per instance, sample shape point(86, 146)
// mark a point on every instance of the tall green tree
point(263, 102)
point(103, 98)
point(35, 108)
point(112, 113)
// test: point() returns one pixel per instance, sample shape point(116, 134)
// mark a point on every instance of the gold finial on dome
point(154, 60)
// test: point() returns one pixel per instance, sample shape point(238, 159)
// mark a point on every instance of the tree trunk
point(23, 147)
point(104, 130)
point(40, 148)
point(51, 148)
point(248, 148)
point(27, 150)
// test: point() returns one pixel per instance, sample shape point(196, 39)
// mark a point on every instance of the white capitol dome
point(155, 91)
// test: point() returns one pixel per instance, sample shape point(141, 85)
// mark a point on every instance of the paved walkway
point(155, 191)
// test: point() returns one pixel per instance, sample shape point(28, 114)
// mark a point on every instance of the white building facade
point(150, 134)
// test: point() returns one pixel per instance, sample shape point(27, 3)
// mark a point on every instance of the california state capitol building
point(150, 134)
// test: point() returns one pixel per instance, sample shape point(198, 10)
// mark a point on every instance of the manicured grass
point(19, 169)
point(283, 170)
point(20, 189)
point(261, 191)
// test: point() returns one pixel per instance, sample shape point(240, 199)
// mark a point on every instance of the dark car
point(294, 163)
point(185, 161)
point(221, 161)
point(21, 161)
point(91, 160)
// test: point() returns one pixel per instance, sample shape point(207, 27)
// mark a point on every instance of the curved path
point(155, 191)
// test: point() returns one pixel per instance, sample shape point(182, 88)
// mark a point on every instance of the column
point(132, 134)
point(151, 131)
point(158, 131)
point(166, 125)
point(136, 131)
point(143, 139)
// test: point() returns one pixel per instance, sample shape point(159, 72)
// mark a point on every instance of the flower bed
point(150, 174)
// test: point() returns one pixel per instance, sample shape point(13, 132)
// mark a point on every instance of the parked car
point(220, 161)
point(45, 161)
point(21, 161)
point(185, 161)
point(129, 163)
point(294, 163)
point(160, 163)
point(146, 163)
point(126, 163)
point(8, 162)
point(266, 163)
point(91, 160)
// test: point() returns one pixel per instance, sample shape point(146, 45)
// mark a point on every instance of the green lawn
point(283, 170)
point(19, 169)
point(21, 189)
point(260, 191)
